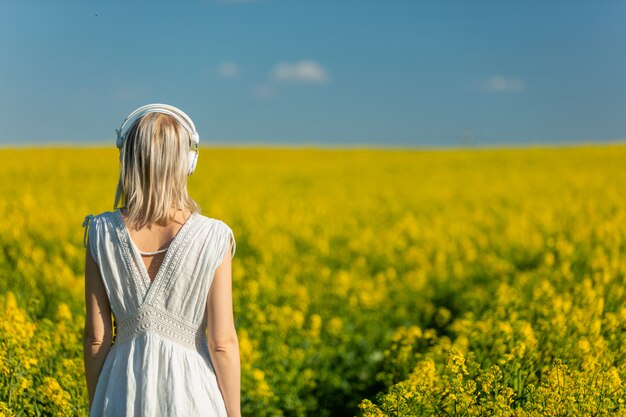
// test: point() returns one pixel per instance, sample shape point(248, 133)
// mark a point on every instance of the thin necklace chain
point(156, 252)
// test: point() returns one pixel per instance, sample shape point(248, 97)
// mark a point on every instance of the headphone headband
point(157, 108)
point(178, 114)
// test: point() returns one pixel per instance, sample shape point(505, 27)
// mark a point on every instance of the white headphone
point(167, 109)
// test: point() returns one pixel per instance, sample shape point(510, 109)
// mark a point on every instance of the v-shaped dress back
point(159, 364)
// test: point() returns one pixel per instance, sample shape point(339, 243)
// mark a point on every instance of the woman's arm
point(97, 334)
point(222, 336)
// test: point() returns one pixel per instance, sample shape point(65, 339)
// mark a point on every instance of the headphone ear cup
point(118, 140)
point(193, 160)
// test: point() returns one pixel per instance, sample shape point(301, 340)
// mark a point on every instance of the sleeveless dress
point(159, 364)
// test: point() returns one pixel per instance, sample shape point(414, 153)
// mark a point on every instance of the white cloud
point(228, 69)
point(301, 71)
point(500, 84)
point(264, 91)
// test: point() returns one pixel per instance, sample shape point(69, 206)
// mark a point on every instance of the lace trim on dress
point(153, 320)
point(173, 269)
point(138, 272)
point(137, 280)
point(173, 258)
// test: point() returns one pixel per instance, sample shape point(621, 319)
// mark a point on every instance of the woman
point(164, 271)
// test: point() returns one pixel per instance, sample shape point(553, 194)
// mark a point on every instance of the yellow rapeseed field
point(467, 282)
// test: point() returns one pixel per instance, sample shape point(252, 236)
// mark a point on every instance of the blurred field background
point(366, 282)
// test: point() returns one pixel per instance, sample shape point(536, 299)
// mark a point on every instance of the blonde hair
point(153, 170)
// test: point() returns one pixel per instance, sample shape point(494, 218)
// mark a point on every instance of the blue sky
point(342, 72)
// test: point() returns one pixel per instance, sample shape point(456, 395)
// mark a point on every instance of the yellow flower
point(316, 324)
point(58, 399)
point(262, 389)
point(335, 325)
point(64, 313)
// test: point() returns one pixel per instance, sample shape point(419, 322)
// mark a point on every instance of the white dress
point(159, 364)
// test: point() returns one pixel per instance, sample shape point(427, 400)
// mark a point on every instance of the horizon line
point(330, 146)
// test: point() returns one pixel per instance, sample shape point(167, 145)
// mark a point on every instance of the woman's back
point(160, 362)
point(157, 237)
